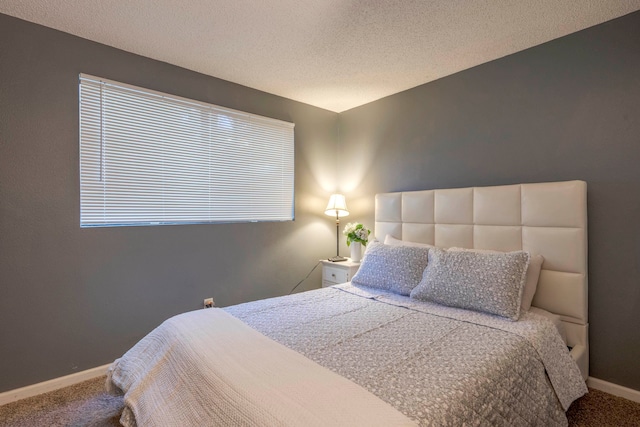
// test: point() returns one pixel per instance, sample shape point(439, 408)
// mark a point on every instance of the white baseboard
point(78, 377)
point(615, 389)
point(54, 384)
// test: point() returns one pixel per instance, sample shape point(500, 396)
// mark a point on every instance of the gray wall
point(73, 299)
point(568, 109)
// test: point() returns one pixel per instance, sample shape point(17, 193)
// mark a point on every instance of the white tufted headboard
point(547, 218)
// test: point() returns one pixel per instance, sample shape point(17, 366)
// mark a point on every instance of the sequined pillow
point(489, 282)
point(392, 268)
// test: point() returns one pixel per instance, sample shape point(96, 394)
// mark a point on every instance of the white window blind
point(149, 158)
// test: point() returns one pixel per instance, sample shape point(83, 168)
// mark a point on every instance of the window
point(148, 158)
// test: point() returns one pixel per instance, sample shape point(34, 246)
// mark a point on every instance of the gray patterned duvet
point(439, 366)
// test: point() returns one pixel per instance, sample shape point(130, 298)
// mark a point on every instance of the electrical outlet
point(208, 303)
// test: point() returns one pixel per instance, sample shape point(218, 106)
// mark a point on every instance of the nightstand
point(334, 273)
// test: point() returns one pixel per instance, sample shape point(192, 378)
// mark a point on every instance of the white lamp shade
point(337, 206)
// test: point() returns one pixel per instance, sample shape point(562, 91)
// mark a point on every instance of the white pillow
point(392, 241)
point(533, 274)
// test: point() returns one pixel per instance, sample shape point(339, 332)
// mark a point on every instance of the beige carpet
point(83, 404)
point(87, 404)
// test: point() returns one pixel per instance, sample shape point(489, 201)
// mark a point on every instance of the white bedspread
point(207, 368)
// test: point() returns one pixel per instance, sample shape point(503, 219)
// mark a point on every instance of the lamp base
point(337, 259)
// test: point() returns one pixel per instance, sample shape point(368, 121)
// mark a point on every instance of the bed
point(381, 350)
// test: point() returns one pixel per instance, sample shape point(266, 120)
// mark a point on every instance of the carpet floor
point(87, 404)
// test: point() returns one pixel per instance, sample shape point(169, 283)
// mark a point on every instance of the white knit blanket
point(207, 368)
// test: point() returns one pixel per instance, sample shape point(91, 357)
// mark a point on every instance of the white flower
point(349, 228)
point(362, 234)
point(356, 232)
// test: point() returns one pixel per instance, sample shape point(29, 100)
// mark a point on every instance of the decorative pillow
point(487, 282)
point(392, 268)
point(392, 241)
point(533, 274)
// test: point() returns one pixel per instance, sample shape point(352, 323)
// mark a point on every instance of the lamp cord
point(306, 277)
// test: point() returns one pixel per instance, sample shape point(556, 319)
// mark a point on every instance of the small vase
point(356, 251)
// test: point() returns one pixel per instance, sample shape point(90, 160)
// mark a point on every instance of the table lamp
point(337, 207)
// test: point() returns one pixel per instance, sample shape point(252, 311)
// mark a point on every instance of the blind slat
point(149, 158)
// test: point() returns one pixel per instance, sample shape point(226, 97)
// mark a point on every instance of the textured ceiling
point(334, 54)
